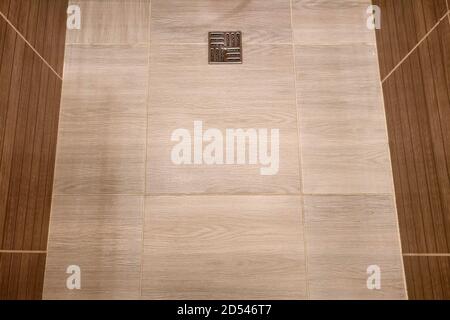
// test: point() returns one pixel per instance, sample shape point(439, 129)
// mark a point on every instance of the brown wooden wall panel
point(21, 276)
point(418, 113)
point(417, 104)
point(40, 22)
point(29, 106)
point(403, 24)
point(428, 277)
point(30, 93)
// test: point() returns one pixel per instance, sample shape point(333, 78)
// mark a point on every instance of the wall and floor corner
point(414, 54)
point(32, 37)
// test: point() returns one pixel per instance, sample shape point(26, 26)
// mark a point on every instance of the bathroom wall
point(414, 54)
point(32, 37)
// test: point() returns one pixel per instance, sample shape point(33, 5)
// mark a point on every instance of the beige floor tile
point(223, 247)
point(179, 21)
point(103, 236)
point(342, 123)
point(347, 234)
point(328, 22)
point(102, 133)
point(111, 22)
point(258, 94)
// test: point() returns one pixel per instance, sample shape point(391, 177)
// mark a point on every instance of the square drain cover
point(225, 47)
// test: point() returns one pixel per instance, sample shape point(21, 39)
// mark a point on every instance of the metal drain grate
point(225, 47)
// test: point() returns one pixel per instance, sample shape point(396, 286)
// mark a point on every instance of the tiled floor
point(141, 227)
point(223, 247)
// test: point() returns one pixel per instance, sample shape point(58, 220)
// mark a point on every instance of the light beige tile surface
point(331, 22)
point(101, 146)
point(111, 22)
point(347, 234)
point(223, 247)
point(258, 94)
point(342, 123)
point(103, 236)
point(180, 21)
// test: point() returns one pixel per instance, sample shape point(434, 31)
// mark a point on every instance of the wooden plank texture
point(417, 103)
point(404, 23)
point(418, 112)
point(42, 23)
point(428, 278)
point(29, 117)
point(21, 276)
point(225, 247)
point(30, 93)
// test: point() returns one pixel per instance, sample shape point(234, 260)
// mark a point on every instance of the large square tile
point(261, 22)
point(342, 122)
point(257, 94)
point(347, 234)
point(330, 22)
point(103, 236)
point(102, 132)
point(111, 22)
point(223, 247)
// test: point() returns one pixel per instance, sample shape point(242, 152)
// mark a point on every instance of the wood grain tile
point(179, 21)
point(43, 24)
point(328, 22)
point(404, 24)
point(428, 278)
point(103, 122)
point(21, 276)
point(29, 123)
point(418, 109)
point(346, 235)
point(4, 6)
point(258, 94)
point(204, 248)
point(342, 123)
point(111, 22)
point(102, 235)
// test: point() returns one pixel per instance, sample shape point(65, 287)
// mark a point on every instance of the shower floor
point(140, 225)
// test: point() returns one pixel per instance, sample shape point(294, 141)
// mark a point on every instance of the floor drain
point(225, 47)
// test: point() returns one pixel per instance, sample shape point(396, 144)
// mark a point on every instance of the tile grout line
point(299, 156)
point(394, 195)
point(141, 274)
point(29, 44)
point(447, 14)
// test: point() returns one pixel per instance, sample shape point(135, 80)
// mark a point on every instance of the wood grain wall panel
point(21, 275)
point(403, 24)
point(29, 118)
point(41, 23)
point(417, 104)
point(428, 277)
point(417, 108)
point(4, 6)
point(30, 93)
